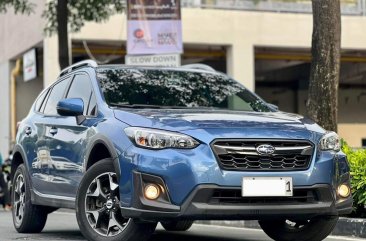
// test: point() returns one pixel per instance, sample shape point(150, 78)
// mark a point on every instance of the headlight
point(330, 142)
point(157, 139)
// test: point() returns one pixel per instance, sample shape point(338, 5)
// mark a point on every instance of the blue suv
point(128, 147)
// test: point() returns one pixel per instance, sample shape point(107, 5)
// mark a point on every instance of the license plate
point(267, 187)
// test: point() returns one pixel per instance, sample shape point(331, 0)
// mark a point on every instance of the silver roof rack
point(199, 66)
point(89, 62)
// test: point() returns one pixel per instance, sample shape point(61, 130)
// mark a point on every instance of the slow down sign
point(166, 60)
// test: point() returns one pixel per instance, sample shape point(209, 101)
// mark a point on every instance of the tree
point(322, 104)
point(20, 6)
point(68, 15)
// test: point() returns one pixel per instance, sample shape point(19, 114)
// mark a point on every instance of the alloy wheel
point(19, 199)
point(102, 206)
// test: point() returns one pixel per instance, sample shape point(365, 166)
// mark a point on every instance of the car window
point(81, 88)
point(40, 101)
point(55, 96)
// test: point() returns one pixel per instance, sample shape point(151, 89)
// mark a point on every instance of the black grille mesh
point(242, 155)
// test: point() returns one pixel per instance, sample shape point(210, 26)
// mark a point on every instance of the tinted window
point(55, 96)
point(81, 88)
point(174, 88)
point(40, 100)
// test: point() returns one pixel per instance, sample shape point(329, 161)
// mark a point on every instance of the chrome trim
point(53, 196)
point(233, 154)
point(251, 150)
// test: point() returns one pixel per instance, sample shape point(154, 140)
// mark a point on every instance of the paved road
point(63, 226)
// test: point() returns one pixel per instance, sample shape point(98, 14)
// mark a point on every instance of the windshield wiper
point(137, 106)
point(146, 106)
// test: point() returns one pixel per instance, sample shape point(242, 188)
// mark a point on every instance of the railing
point(349, 7)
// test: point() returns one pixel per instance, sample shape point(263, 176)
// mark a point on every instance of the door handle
point(28, 131)
point(53, 131)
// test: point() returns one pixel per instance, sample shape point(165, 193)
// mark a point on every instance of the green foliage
point(357, 161)
point(20, 6)
point(81, 11)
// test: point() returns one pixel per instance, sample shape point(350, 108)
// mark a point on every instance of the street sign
point(30, 65)
point(154, 27)
point(166, 60)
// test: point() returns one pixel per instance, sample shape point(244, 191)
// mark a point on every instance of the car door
point(29, 140)
point(70, 140)
point(44, 145)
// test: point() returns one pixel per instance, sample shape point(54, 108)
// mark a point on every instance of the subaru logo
point(265, 149)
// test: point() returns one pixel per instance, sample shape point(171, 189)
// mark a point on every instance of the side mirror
point(272, 106)
point(72, 107)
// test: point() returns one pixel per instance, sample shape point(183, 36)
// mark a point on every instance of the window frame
point(45, 98)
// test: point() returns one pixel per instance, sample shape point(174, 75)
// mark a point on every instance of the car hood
point(189, 119)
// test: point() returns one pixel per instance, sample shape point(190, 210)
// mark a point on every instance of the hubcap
point(102, 206)
point(19, 199)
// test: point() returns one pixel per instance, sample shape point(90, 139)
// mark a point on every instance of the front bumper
point(212, 202)
point(191, 175)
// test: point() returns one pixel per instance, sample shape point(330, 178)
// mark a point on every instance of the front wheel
point(97, 208)
point(315, 229)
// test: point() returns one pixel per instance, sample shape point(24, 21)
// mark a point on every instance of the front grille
point(243, 155)
point(233, 196)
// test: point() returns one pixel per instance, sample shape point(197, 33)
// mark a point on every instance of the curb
point(351, 227)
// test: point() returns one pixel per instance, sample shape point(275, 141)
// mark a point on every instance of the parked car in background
point(128, 147)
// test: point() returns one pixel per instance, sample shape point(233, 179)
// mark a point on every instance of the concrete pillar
point(5, 108)
point(241, 65)
point(51, 67)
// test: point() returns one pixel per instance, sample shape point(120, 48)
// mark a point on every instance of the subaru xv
point(128, 147)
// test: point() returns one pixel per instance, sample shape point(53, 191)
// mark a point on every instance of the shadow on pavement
point(160, 235)
point(64, 234)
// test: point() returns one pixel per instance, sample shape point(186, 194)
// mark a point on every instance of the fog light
point(152, 191)
point(344, 190)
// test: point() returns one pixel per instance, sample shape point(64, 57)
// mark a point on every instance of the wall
point(240, 31)
point(18, 33)
point(4, 108)
point(352, 133)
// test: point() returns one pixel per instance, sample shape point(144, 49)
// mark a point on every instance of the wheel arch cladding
point(18, 159)
point(101, 148)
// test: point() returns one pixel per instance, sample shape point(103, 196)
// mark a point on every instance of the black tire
point(315, 229)
point(27, 218)
point(183, 225)
point(128, 229)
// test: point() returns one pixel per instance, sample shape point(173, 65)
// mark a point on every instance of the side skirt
point(38, 198)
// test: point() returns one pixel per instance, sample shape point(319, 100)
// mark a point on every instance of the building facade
point(264, 44)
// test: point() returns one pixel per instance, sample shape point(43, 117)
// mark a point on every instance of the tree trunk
point(62, 33)
point(322, 104)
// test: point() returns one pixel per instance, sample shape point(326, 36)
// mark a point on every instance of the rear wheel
point(98, 211)
point(315, 229)
point(27, 218)
point(177, 225)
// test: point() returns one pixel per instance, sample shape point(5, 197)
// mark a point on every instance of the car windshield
point(166, 88)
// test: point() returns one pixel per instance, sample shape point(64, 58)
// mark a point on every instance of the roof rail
point(89, 62)
point(199, 66)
